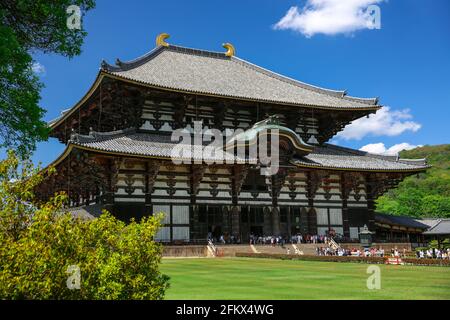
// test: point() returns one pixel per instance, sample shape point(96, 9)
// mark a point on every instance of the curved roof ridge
point(99, 136)
point(134, 63)
point(279, 76)
point(422, 162)
point(373, 101)
point(131, 64)
point(350, 150)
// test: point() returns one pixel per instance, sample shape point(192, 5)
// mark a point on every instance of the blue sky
point(406, 63)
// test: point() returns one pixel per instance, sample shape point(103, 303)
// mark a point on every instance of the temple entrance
point(252, 221)
point(216, 232)
point(256, 231)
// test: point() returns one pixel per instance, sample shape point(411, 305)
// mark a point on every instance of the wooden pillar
point(345, 187)
point(152, 170)
point(268, 224)
point(108, 199)
point(289, 222)
point(275, 221)
point(312, 220)
point(345, 219)
point(370, 194)
point(194, 227)
point(226, 228)
point(314, 180)
point(304, 224)
point(147, 191)
point(235, 222)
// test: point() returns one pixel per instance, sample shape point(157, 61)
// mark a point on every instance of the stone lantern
point(365, 237)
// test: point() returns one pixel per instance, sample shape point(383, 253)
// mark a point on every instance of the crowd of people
point(314, 238)
point(327, 250)
point(296, 239)
point(433, 253)
point(354, 252)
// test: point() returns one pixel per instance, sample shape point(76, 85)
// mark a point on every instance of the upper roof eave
point(111, 72)
point(103, 73)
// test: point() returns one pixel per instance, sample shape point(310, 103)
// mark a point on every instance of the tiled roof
point(266, 126)
point(400, 221)
point(332, 156)
point(441, 228)
point(213, 73)
point(430, 222)
point(142, 144)
point(155, 145)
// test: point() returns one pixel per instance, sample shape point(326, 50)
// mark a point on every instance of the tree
point(26, 27)
point(46, 253)
point(426, 194)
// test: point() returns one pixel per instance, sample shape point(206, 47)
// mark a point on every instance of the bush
point(43, 249)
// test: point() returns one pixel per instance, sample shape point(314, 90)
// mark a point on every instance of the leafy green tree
point(26, 27)
point(46, 253)
point(426, 194)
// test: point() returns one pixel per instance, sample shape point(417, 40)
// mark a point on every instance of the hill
point(426, 194)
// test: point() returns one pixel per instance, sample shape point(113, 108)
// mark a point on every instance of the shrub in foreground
point(48, 254)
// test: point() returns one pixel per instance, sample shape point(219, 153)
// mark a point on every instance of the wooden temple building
point(118, 150)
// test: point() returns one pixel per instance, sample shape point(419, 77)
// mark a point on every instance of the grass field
point(246, 278)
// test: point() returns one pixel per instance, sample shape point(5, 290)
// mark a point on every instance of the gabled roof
point(268, 127)
point(214, 73)
point(401, 221)
point(440, 228)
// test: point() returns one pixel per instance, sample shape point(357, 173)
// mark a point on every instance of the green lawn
point(246, 278)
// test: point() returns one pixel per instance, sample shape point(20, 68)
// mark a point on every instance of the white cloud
point(329, 17)
point(380, 148)
point(38, 68)
point(383, 123)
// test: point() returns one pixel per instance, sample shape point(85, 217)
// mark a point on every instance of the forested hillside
point(426, 194)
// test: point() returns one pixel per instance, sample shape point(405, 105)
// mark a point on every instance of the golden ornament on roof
point(160, 39)
point(231, 51)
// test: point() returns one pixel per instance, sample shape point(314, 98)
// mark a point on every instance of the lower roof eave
point(71, 146)
point(318, 166)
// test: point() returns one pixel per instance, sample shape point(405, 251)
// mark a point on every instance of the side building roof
point(440, 228)
point(400, 221)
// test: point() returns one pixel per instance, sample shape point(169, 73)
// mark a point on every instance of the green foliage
point(425, 195)
point(25, 27)
point(39, 243)
point(444, 244)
